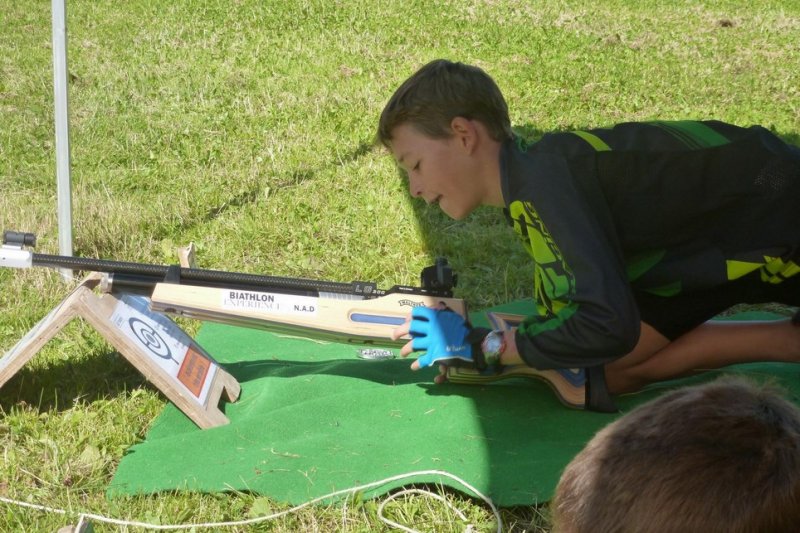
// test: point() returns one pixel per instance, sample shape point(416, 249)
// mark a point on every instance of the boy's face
point(439, 170)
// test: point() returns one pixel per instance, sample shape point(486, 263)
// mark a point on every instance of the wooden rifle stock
point(327, 316)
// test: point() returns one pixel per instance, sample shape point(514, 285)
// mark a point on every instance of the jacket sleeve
point(586, 314)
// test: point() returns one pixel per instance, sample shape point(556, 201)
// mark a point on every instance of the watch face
point(494, 343)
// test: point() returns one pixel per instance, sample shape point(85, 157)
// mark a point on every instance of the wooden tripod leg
point(195, 384)
point(44, 330)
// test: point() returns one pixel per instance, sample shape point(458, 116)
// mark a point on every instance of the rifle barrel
point(436, 280)
point(143, 275)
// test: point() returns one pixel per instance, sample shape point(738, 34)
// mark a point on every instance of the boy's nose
point(415, 188)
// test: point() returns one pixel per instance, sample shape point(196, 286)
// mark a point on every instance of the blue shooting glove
point(446, 338)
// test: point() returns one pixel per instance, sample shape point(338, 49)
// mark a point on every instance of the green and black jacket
point(661, 207)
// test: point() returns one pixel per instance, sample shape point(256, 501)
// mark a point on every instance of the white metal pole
point(63, 180)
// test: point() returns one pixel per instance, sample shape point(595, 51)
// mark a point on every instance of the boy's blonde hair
point(441, 91)
point(724, 456)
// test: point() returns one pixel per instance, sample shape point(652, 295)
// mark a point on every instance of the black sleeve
point(586, 311)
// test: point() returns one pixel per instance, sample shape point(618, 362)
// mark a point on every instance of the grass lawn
point(246, 126)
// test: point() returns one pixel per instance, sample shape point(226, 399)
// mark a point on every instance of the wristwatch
point(493, 345)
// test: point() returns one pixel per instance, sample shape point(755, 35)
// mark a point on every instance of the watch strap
point(475, 339)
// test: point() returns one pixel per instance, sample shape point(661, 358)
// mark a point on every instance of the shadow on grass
point(391, 372)
point(57, 386)
point(298, 176)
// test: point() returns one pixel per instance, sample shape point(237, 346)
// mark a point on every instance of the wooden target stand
point(153, 343)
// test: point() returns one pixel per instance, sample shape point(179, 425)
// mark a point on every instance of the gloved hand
point(446, 338)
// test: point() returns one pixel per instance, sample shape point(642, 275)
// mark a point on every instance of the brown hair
point(440, 91)
point(724, 456)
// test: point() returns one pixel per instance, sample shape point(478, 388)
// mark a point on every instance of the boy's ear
point(465, 131)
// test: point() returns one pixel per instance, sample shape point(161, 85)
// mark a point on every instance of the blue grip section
point(377, 319)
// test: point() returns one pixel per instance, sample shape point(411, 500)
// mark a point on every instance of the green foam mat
point(313, 418)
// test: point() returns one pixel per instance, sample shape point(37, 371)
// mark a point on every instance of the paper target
point(150, 339)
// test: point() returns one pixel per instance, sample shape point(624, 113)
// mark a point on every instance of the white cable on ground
point(273, 516)
point(424, 493)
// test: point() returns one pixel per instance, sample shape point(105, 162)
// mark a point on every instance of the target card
point(159, 338)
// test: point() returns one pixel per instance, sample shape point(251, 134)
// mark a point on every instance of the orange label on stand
point(193, 371)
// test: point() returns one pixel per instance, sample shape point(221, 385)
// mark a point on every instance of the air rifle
point(357, 312)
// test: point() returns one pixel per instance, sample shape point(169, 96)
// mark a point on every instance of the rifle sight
point(438, 277)
point(17, 238)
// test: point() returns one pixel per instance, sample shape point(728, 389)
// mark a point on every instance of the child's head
point(441, 91)
point(724, 456)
